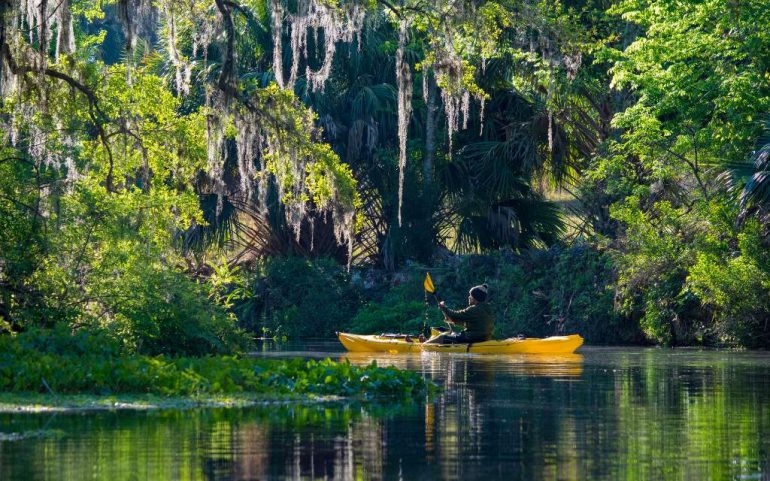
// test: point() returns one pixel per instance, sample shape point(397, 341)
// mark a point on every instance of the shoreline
point(36, 403)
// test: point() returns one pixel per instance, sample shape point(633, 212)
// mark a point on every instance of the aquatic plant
point(75, 365)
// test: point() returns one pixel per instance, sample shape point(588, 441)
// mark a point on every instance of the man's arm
point(457, 317)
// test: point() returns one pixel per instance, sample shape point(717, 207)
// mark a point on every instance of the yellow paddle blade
point(428, 284)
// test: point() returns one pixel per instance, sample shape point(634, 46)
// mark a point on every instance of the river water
point(605, 414)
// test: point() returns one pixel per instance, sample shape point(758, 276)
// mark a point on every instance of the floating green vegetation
point(28, 367)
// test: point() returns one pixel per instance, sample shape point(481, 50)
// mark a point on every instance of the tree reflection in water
point(606, 415)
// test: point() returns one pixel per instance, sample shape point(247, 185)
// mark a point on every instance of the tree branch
point(693, 167)
point(98, 117)
point(246, 12)
point(399, 11)
point(226, 74)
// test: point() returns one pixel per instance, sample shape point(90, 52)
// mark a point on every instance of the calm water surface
point(606, 414)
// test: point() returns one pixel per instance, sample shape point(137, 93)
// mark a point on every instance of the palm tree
point(480, 196)
point(488, 197)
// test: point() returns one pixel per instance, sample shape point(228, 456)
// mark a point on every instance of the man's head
point(477, 294)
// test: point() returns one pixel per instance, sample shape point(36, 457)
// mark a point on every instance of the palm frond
point(541, 221)
point(221, 225)
point(756, 192)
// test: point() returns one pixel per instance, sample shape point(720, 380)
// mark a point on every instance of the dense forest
point(180, 177)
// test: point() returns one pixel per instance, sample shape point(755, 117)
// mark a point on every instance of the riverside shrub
point(400, 308)
point(296, 297)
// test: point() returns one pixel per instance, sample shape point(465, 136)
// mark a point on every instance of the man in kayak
point(477, 320)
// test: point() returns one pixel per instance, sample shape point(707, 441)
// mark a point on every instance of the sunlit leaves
point(696, 73)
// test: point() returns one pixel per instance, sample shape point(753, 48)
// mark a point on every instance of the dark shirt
point(478, 320)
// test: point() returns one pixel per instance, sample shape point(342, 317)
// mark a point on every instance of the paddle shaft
point(431, 289)
point(446, 319)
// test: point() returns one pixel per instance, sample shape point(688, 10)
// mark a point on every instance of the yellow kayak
point(391, 343)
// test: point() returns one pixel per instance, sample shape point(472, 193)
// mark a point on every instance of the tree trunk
point(428, 164)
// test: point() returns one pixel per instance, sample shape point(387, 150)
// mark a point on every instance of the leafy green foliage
point(653, 271)
point(691, 274)
point(400, 309)
point(698, 80)
point(100, 250)
point(733, 288)
point(22, 239)
point(108, 260)
point(295, 297)
point(701, 79)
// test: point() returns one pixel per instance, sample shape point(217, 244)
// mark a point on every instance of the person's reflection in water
point(430, 417)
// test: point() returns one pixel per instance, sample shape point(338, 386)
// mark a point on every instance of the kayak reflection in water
point(477, 320)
